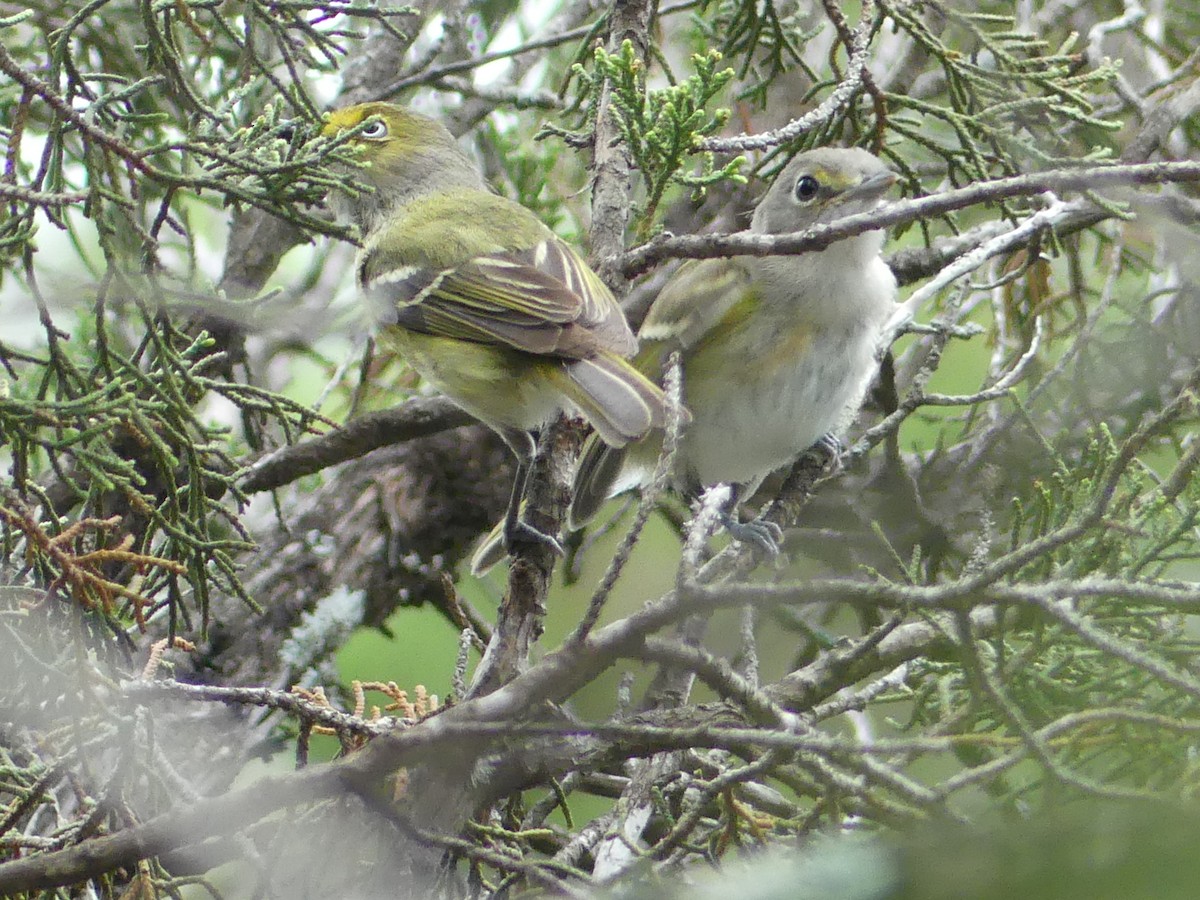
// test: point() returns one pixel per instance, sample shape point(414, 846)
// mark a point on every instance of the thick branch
point(416, 418)
point(180, 827)
point(746, 244)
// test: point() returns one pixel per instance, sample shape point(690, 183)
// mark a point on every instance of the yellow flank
point(791, 343)
point(737, 319)
point(470, 372)
point(748, 345)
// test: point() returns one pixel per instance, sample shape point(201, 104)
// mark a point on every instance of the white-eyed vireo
point(776, 351)
point(481, 298)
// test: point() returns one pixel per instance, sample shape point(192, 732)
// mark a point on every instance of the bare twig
point(416, 418)
point(744, 243)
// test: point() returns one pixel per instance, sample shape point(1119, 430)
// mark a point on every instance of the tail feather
point(598, 470)
point(596, 477)
point(623, 406)
point(491, 549)
point(621, 403)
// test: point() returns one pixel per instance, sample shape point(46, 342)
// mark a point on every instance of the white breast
point(756, 409)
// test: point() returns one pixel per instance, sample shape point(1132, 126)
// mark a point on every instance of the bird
point(776, 352)
point(481, 298)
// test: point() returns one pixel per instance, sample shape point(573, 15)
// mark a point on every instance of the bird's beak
point(873, 186)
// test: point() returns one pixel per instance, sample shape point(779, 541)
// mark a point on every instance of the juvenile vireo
point(776, 351)
point(482, 299)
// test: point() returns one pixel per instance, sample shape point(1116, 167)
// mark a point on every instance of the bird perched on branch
point(776, 351)
point(482, 299)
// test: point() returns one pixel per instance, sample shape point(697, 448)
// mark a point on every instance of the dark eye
point(806, 188)
point(375, 130)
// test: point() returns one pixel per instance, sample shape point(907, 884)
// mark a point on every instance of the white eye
point(375, 130)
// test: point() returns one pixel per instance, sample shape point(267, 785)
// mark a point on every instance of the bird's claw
point(828, 450)
point(522, 533)
point(766, 536)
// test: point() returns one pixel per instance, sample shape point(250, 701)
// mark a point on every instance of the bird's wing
point(543, 300)
point(699, 295)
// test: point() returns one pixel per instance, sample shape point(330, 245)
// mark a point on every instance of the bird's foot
point(828, 451)
point(766, 536)
point(523, 534)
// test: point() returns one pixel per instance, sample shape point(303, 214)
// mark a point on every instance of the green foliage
point(661, 128)
point(1011, 101)
point(141, 480)
point(529, 173)
point(766, 41)
point(212, 119)
point(108, 426)
point(1103, 514)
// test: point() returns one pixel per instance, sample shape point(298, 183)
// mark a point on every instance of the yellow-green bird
point(482, 299)
point(776, 351)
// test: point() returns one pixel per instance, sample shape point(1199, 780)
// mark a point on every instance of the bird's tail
point(623, 406)
point(595, 477)
point(597, 472)
point(620, 402)
point(491, 549)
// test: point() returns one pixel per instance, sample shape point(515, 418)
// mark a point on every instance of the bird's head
point(819, 186)
point(388, 132)
point(405, 155)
